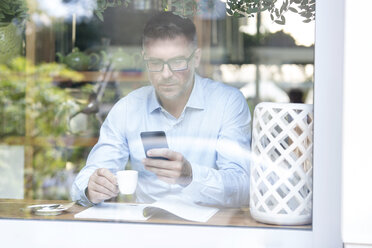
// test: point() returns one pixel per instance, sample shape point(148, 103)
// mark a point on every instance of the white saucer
point(47, 209)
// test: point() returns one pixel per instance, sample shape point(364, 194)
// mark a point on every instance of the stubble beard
point(178, 93)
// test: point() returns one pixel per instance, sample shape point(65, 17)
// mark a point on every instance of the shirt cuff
point(198, 173)
point(84, 201)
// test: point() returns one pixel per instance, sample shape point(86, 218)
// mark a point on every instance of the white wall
point(329, 46)
point(357, 131)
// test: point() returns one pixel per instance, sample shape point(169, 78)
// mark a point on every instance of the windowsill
point(231, 217)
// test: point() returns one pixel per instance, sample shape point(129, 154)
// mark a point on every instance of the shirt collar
point(196, 99)
point(153, 101)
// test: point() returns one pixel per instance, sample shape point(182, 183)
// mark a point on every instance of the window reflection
point(77, 64)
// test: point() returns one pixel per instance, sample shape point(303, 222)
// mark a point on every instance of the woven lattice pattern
point(281, 171)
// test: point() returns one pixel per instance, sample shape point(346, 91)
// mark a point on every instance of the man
point(207, 125)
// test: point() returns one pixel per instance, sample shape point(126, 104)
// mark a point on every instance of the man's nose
point(166, 71)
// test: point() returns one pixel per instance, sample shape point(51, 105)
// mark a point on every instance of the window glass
point(88, 87)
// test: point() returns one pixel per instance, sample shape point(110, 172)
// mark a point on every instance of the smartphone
point(154, 139)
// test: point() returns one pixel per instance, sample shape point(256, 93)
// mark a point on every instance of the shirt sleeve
point(111, 152)
point(228, 183)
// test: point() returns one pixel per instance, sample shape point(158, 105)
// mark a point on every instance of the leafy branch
point(276, 8)
point(102, 5)
point(184, 8)
point(13, 9)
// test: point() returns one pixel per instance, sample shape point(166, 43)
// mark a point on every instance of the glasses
point(176, 64)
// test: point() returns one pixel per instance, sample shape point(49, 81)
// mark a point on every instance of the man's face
point(168, 84)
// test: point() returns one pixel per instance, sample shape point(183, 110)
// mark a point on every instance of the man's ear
point(197, 57)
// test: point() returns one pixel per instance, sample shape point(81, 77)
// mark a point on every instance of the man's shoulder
point(212, 87)
point(137, 95)
point(134, 101)
point(140, 93)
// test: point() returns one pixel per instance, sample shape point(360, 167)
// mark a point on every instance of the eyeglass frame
point(167, 62)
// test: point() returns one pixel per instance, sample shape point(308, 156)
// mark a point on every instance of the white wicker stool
point(281, 170)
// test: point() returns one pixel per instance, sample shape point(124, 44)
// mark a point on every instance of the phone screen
point(154, 139)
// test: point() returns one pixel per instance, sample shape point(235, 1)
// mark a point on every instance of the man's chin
point(169, 95)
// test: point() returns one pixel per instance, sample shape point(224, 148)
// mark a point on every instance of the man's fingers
point(103, 181)
point(103, 172)
point(165, 153)
point(174, 170)
point(102, 185)
point(159, 163)
point(163, 172)
point(104, 189)
point(163, 164)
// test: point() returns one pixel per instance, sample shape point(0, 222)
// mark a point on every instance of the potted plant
point(13, 14)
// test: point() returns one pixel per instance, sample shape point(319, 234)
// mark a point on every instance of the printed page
point(175, 204)
point(182, 207)
point(115, 211)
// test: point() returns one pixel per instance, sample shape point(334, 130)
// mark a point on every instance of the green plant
point(276, 8)
point(54, 170)
point(28, 91)
point(185, 8)
point(29, 99)
point(102, 5)
point(236, 8)
point(13, 10)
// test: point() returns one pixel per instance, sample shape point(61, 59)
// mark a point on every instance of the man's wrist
point(86, 195)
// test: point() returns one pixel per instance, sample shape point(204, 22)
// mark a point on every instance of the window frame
point(356, 168)
point(326, 231)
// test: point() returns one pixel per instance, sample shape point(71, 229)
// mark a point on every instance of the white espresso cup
point(127, 181)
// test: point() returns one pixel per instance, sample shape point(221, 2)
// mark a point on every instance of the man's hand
point(102, 185)
point(175, 170)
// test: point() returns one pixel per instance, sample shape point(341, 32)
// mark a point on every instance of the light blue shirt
point(213, 133)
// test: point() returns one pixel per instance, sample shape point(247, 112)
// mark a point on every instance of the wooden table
point(13, 209)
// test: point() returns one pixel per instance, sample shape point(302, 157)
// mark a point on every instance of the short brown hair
point(166, 25)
